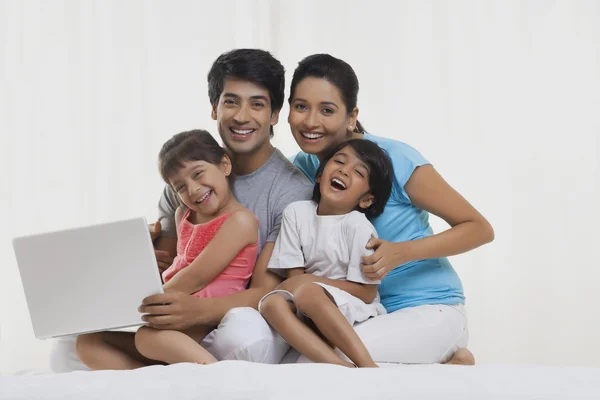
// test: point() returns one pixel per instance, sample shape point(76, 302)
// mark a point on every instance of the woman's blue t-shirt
point(431, 281)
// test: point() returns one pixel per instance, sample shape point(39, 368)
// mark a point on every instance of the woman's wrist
point(405, 252)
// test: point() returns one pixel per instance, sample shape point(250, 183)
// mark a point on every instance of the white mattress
point(243, 380)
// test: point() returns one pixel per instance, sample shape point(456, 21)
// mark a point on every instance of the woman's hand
point(387, 256)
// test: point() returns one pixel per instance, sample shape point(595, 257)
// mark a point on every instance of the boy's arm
point(294, 272)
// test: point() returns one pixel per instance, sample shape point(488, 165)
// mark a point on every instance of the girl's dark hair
point(336, 71)
point(381, 173)
point(194, 145)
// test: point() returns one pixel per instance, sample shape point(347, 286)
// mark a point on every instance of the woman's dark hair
point(335, 71)
point(252, 65)
point(381, 173)
point(194, 145)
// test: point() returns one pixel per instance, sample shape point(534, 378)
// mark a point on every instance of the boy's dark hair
point(252, 65)
point(381, 173)
point(335, 71)
point(194, 145)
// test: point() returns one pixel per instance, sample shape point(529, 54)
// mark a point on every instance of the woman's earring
point(350, 127)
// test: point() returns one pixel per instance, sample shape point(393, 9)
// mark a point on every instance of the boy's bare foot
point(462, 357)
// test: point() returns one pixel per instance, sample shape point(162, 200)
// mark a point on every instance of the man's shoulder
point(288, 176)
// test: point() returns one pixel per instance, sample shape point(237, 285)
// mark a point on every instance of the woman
point(423, 295)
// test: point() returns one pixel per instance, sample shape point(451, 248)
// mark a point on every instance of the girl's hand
point(387, 256)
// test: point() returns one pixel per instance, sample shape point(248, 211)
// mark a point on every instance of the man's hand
point(154, 229)
point(174, 311)
point(164, 259)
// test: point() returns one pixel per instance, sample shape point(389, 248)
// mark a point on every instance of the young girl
point(216, 251)
point(426, 319)
point(326, 237)
point(217, 240)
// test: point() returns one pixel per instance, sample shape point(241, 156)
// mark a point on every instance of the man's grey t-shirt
point(266, 192)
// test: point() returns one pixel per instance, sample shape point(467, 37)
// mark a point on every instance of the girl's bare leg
point(110, 350)
point(173, 346)
point(280, 315)
point(318, 306)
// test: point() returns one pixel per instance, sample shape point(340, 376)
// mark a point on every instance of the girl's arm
point(427, 190)
point(237, 232)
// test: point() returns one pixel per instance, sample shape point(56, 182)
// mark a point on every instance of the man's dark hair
point(252, 65)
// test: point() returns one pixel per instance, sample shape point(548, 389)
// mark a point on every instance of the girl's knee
point(87, 342)
point(143, 336)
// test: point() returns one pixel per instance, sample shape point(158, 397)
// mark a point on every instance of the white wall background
point(503, 97)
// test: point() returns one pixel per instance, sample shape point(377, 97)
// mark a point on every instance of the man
point(246, 91)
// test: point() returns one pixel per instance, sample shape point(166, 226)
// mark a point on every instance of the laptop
point(87, 279)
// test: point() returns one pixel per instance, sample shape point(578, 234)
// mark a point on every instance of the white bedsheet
point(243, 380)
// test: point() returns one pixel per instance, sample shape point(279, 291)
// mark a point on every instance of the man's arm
point(181, 311)
point(164, 232)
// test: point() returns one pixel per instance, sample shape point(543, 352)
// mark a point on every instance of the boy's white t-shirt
point(329, 246)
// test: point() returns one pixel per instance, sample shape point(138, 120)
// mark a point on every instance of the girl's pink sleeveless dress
point(192, 239)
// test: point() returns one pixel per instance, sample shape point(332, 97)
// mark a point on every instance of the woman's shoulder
point(395, 148)
point(307, 163)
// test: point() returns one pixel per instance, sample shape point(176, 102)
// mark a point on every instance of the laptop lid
point(87, 279)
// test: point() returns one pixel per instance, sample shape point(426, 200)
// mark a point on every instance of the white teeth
point(203, 197)
point(242, 131)
point(336, 180)
point(312, 135)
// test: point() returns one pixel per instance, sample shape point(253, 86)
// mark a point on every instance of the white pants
point(417, 335)
point(243, 334)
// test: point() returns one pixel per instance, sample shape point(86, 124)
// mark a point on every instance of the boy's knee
point(272, 305)
point(309, 297)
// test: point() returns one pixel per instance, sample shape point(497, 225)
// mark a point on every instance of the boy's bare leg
point(318, 306)
point(174, 347)
point(462, 357)
point(280, 315)
point(110, 350)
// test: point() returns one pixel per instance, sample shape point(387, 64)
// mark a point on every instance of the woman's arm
point(238, 231)
point(427, 190)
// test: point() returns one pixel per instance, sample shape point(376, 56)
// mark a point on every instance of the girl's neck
point(230, 205)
